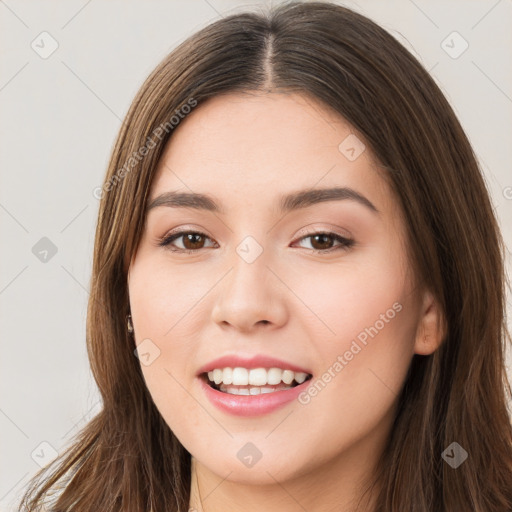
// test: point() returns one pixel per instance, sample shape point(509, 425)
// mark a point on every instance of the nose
point(250, 295)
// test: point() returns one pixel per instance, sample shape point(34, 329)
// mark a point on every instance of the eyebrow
point(289, 202)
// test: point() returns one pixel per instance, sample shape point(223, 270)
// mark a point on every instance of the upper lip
point(256, 361)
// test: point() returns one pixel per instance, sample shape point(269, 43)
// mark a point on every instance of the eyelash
point(346, 243)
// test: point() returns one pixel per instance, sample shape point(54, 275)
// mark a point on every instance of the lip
point(252, 405)
point(257, 361)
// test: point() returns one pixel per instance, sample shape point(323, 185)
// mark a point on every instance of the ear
point(431, 329)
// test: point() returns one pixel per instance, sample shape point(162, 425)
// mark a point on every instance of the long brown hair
point(126, 458)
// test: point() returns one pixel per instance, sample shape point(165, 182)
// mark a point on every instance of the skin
point(246, 150)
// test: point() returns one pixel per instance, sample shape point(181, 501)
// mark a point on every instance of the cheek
point(160, 296)
point(355, 299)
point(164, 304)
point(354, 393)
point(363, 333)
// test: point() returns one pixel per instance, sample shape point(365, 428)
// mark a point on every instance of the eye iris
point(322, 237)
point(189, 237)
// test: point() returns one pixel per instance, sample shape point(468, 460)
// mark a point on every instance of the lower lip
point(252, 405)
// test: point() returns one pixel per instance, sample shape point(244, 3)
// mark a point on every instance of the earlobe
point(431, 329)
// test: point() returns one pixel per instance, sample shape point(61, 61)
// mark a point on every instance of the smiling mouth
point(249, 389)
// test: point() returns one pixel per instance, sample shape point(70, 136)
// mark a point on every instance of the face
point(324, 287)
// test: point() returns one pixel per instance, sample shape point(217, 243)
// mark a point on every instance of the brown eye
point(192, 241)
point(324, 242)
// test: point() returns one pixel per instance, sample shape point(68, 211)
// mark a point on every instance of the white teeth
point(300, 377)
point(217, 376)
point(259, 377)
point(274, 376)
point(288, 376)
point(227, 375)
point(240, 376)
point(253, 390)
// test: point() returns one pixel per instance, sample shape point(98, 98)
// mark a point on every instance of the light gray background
point(59, 118)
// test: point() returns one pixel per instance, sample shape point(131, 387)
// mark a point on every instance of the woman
point(297, 299)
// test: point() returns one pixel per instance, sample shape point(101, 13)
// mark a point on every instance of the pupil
point(190, 237)
point(324, 237)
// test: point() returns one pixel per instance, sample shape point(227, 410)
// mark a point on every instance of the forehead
point(253, 147)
